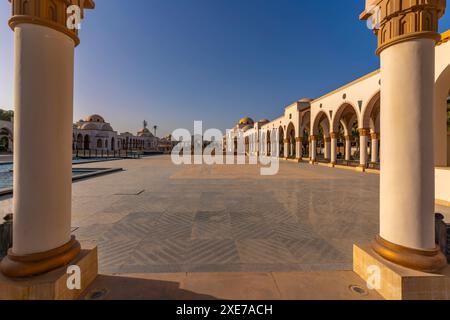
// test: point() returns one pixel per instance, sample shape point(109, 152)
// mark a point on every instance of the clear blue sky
point(175, 61)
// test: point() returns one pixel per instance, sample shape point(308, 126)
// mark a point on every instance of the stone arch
point(290, 137)
point(99, 143)
point(345, 112)
point(113, 144)
point(321, 131)
point(371, 110)
point(269, 142)
point(441, 118)
point(281, 137)
point(321, 119)
point(79, 142)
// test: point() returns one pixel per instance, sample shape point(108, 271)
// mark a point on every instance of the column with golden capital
point(407, 32)
point(334, 136)
point(375, 142)
point(313, 146)
point(45, 35)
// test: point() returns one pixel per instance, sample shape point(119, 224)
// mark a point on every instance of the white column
point(363, 141)
point(334, 147)
point(407, 183)
point(348, 148)
point(298, 147)
point(374, 147)
point(313, 144)
point(326, 152)
point(43, 95)
point(286, 148)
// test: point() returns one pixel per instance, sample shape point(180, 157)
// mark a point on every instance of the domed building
point(94, 134)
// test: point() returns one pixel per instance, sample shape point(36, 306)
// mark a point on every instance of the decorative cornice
point(400, 21)
point(48, 13)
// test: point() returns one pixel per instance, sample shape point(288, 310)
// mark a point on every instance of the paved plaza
point(159, 218)
point(155, 217)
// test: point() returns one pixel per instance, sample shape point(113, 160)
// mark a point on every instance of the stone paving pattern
point(159, 218)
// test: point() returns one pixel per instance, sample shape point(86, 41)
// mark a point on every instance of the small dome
point(144, 133)
point(89, 126)
point(246, 121)
point(95, 118)
point(264, 121)
point(305, 100)
point(107, 127)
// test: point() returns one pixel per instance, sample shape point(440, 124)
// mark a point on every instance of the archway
point(87, 142)
point(281, 142)
point(345, 131)
point(247, 146)
point(79, 144)
point(321, 132)
point(292, 151)
point(305, 134)
point(441, 119)
point(269, 143)
point(371, 120)
point(4, 144)
point(99, 144)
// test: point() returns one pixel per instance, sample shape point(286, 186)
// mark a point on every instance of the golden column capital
point(396, 21)
point(327, 139)
point(313, 138)
point(348, 138)
point(364, 132)
point(60, 15)
point(298, 139)
point(374, 136)
point(334, 135)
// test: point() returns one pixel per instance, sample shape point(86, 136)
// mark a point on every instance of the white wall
point(443, 184)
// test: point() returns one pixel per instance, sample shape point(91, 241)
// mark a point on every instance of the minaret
point(44, 42)
point(407, 34)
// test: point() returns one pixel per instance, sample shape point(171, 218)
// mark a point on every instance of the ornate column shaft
point(407, 36)
point(313, 143)
point(374, 147)
point(363, 141)
point(334, 137)
point(43, 93)
point(298, 147)
point(348, 148)
point(286, 148)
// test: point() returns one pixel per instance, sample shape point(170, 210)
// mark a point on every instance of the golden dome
point(144, 133)
point(95, 118)
point(246, 121)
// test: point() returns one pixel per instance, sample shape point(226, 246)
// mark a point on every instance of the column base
point(397, 282)
point(16, 266)
point(53, 285)
point(361, 168)
point(422, 260)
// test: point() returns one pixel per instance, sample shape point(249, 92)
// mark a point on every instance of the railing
point(443, 235)
point(126, 154)
point(6, 235)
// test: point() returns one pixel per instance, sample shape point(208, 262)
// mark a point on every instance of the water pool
point(6, 174)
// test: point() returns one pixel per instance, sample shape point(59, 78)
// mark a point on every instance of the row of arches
point(342, 136)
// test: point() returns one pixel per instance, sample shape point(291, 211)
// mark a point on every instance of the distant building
point(95, 134)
